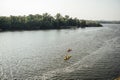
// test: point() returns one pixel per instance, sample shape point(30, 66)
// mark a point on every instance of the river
point(39, 55)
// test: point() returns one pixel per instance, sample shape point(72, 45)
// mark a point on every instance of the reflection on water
point(37, 54)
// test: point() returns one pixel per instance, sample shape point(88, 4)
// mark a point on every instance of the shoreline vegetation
point(44, 21)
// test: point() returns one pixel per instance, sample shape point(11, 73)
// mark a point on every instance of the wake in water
point(87, 62)
point(95, 54)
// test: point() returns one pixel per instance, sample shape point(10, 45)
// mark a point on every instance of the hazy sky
point(82, 9)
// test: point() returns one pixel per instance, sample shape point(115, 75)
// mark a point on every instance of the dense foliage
point(44, 21)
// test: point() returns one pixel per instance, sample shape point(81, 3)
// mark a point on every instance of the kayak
point(67, 57)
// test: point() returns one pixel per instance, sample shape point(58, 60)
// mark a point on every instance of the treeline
point(44, 21)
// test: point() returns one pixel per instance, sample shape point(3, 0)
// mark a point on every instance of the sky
point(82, 9)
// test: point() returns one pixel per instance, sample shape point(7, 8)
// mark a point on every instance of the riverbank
point(43, 22)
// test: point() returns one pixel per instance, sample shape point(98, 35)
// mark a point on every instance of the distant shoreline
point(46, 29)
point(109, 22)
point(44, 22)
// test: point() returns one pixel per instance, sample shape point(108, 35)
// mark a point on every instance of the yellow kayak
point(67, 57)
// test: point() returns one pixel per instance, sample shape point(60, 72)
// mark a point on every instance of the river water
point(39, 55)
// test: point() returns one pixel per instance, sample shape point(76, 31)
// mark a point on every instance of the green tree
point(44, 21)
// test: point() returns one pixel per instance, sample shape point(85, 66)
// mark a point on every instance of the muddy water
point(39, 54)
